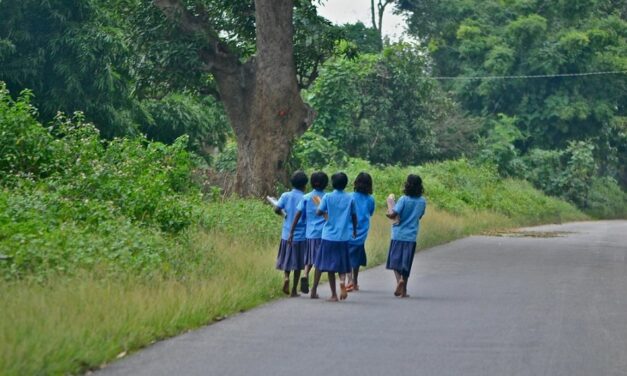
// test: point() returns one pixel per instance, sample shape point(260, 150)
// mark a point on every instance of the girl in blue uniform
point(307, 209)
point(409, 210)
point(291, 257)
point(364, 207)
point(336, 232)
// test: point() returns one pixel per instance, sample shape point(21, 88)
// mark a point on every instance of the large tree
point(255, 55)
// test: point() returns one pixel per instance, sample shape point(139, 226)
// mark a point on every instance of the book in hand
point(316, 200)
point(275, 203)
point(391, 203)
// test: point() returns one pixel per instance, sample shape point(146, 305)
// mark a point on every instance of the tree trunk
point(261, 96)
point(277, 113)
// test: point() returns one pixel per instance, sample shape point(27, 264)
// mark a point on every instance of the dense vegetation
point(540, 121)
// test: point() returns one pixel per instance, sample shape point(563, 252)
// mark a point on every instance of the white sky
point(350, 11)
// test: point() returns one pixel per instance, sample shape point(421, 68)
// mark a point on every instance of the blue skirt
point(357, 255)
point(401, 256)
point(291, 258)
point(313, 248)
point(333, 257)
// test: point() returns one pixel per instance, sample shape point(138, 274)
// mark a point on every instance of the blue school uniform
point(364, 208)
point(314, 224)
point(291, 257)
point(289, 202)
point(336, 232)
point(403, 245)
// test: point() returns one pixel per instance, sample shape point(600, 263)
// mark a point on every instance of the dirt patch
point(526, 234)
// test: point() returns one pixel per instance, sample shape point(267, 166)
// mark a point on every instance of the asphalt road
point(478, 306)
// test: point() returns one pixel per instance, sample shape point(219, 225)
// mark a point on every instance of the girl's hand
point(290, 239)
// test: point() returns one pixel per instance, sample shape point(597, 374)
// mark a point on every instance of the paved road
point(479, 306)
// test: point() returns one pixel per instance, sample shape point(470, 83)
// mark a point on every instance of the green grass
point(74, 323)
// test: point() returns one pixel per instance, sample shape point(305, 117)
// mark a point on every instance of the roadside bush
point(70, 200)
point(25, 144)
point(463, 188)
point(606, 199)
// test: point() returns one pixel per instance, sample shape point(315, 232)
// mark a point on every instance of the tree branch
point(372, 13)
point(216, 56)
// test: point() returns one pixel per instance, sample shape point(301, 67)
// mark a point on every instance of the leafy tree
point(533, 37)
point(73, 54)
point(365, 38)
point(201, 118)
point(383, 108)
point(258, 54)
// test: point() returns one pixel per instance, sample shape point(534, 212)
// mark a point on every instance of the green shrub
point(606, 199)
point(315, 151)
point(24, 144)
point(226, 161)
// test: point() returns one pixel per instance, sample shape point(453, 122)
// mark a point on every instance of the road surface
point(479, 306)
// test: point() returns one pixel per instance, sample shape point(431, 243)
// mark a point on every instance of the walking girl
point(333, 257)
point(307, 209)
point(364, 208)
point(291, 256)
point(408, 211)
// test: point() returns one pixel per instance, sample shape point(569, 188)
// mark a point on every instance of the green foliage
point(606, 199)
point(381, 108)
point(365, 38)
point(70, 200)
point(498, 148)
point(226, 161)
point(202, 119)
point(495, 37)
point(314, 151)
point(73, 55)
point(25, 145)
point(463, 188)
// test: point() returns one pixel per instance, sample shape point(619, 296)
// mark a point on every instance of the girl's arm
point(354, 218)
point(392, 215)
point(294, 222)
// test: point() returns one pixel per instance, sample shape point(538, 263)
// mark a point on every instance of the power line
point(523, 77)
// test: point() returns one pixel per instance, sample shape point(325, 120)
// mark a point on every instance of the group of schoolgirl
point(328, 231)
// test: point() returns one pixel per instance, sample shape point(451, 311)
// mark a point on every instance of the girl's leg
point(295, 284)
point(400, 283)
point(304, 281)
point(343, 291)
point(314, 288)
point(405, 278)
point(355, 279)
point(286, 282)
point(333, 297)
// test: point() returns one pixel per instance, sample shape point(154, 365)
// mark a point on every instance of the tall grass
point(75, 323)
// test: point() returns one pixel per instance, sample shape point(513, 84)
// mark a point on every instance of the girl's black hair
point(363, 183)
point(319, 180)
point(413, 186)
point(339, 181)
point(299, 180)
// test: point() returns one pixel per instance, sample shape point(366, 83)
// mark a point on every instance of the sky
point(350, 11)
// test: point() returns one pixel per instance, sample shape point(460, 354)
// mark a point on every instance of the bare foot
point(343, 292)
point(405, 295)
point(286, 286)
point(294, 294)
point(332, 299)
point(356, 288)
point(399, 288)
point(314, 296)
